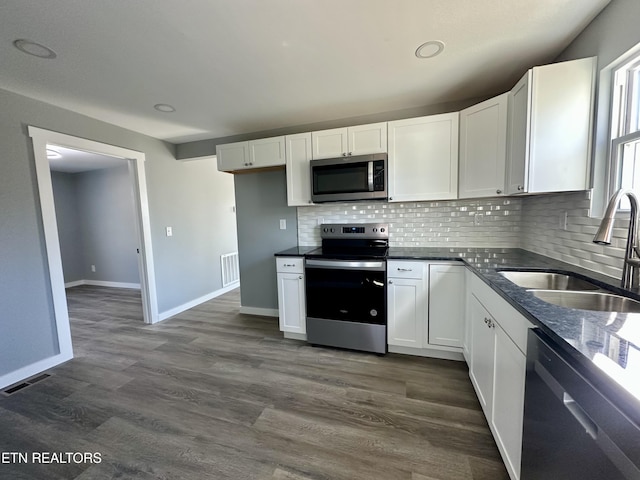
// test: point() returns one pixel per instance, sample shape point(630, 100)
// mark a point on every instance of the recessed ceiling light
point(165, 108)
point(430, 49)
point(52, 154)
point(33, 48)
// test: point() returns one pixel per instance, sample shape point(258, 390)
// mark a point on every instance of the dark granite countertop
point(604, 346)
point(295, 252)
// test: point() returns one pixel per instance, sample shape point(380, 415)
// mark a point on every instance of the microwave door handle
point(370, 175)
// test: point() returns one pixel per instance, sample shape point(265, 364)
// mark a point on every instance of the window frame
point(625, 110)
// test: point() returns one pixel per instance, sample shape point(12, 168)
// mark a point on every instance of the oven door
point(346, 304)
point(343, 290)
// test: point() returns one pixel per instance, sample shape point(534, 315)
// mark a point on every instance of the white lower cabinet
point(291, 296)
point(497, 365)
point(407, 300)
point(424, 313)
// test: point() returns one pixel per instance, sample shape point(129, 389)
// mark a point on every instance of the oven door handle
point(346, 265)
point(370, 175)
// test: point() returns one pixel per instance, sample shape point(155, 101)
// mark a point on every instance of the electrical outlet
point(169, 232)
point(564, 218)
point(283, 224)
point(478, 219)
point(320, 220)
point(93, 268)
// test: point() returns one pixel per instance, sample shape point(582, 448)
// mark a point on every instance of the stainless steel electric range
point(345, 282)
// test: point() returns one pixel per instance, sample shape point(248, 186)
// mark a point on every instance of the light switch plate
point(283, 224)
point(169, 232)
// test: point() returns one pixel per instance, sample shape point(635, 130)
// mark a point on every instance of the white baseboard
point(101, 283)
point(33, 369)
point(295, 336)
point(444, 353)
point(263, 312)
point(195, 302)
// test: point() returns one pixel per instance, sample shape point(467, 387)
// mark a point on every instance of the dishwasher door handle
point(579, 414)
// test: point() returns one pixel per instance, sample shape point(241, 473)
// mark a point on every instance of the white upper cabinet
point(298, 155)
point(423, 158)
point(265, 152)
point(232, 156)
point(549, 128)
point(342, 142)
point(483, 148)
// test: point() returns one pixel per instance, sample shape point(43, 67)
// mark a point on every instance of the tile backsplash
point(559, 226)
point(492, 222)
point(555, 225)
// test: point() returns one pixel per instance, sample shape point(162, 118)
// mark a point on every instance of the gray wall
point(96, 225)
point(65, 192)
point(261, 202)
point(108, 229)
point(190, 196)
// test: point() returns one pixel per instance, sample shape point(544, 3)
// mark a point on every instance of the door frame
point(41, 138)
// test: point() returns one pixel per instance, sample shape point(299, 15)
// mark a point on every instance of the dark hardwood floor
point(213, 394)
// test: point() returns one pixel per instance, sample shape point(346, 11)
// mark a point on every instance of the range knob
point(332, 230)
point(375, 229)
point(382, 230)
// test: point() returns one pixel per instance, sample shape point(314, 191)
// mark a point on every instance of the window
point(625, 128)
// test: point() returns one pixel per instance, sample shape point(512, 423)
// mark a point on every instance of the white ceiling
point(75, 161)
point(239, 66)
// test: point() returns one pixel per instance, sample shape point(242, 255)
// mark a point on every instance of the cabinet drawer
point(290, 264)
point(399, 269)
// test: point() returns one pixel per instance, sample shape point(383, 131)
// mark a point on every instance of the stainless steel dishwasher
point(571, 430)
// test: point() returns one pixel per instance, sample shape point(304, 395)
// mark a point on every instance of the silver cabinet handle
point(390, 282)
point(405, 269)
point(390, 198)
point(520, 187)
point(344, 154)
point(288, 264)
point(498, 191)
point(300, 277)
point(349, 153)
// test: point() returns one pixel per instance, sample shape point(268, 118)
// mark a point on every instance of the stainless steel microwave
point(361, 177)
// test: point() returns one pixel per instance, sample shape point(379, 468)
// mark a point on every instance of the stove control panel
point(354, 230)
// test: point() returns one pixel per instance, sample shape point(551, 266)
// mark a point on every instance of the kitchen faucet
point(631, 265)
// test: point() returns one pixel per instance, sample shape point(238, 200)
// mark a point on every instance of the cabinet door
point(446, 310)
point(298, 155)
point(423, 158)
point(466, 343)
point(291, 303)
point(329, 143)
point(508, 401)
point(561, 124)
point(483, 148)
point(232, 156)
point(407, 313)
point(481, 369)
point(364, 139)
point(266, 152)
point(518, 136)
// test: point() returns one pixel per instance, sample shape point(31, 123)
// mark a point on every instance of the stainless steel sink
point(548, 281)
point(585, 300)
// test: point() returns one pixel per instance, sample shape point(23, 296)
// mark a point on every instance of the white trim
point(102, 283)
point(295, 336)
point(263, 312)
point(33, 369)
point(431, 352)
point(136, 160)
point(195, 302)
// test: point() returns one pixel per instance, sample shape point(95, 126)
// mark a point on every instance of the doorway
point(135, 160)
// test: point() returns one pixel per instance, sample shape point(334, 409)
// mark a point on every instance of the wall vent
point(230, 269)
